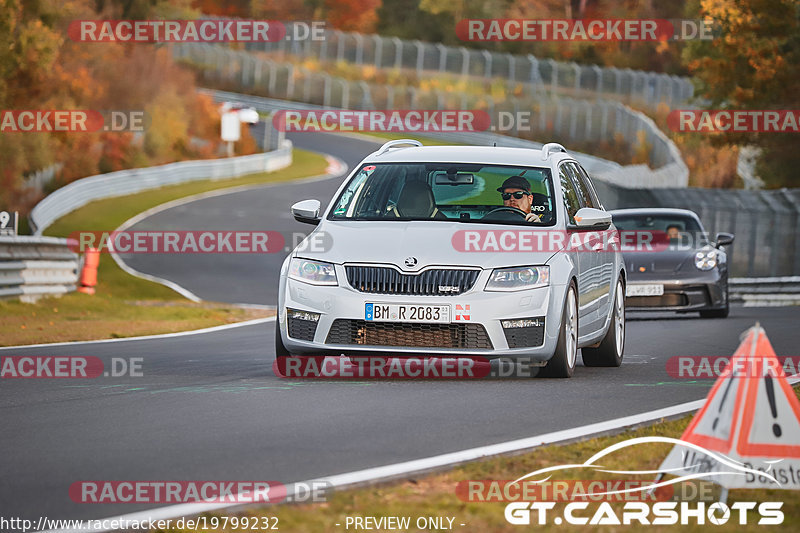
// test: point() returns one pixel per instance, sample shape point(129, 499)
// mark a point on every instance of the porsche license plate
point(644, 290)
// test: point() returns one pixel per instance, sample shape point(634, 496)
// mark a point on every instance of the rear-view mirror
point(459, 178)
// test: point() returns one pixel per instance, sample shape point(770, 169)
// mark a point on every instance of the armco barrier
point(766, 292)
point(535, 74)
point(595, 165)
point(124, 182)
point(36, 266)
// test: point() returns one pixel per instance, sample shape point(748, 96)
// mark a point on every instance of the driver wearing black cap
point(516, 192)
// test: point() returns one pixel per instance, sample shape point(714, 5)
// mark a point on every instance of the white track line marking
point(437, 462)
point(398, 470)
point(211, 329)
point(336, 168)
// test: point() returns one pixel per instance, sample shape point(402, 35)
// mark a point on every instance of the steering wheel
point(506, 209)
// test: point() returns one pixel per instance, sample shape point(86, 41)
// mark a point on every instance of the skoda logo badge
point(411, 262)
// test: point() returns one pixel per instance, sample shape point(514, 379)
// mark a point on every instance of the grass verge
point(434, 495)
point(125, 305)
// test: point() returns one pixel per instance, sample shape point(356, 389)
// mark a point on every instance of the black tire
point(609, 352)
point(562, 364)
point(716, 313)
point(719, 313)
point(280, 348)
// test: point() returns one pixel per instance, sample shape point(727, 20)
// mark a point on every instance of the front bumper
point(476, 327)
point(691, 293)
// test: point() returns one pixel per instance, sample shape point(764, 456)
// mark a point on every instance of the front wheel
point(562, 364)
point(719, 313)
point(609, 352)
point(280, 348)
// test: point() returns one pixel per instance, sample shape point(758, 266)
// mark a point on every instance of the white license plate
point(376, 312)
point(644, 290)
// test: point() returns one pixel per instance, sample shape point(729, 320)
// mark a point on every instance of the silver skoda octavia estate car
point(458, 251)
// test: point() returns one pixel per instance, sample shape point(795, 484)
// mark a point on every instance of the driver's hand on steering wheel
point(533, 217)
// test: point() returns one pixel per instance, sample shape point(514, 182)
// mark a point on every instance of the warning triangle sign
point(751, 416)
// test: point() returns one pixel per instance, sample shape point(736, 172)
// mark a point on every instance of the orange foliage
point(353, 15)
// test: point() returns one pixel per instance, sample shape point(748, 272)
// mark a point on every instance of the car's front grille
point(362, 332)
point(301, 329)
point(433, 282)
point(665, 300)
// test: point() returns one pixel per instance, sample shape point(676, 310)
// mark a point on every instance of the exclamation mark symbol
point(776, 429)
point(722, 402)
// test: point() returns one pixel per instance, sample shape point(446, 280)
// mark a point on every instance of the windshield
point(679, 229)
point(454, 192)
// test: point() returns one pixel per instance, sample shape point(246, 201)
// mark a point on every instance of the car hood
point(664, 261)
point(431, 243)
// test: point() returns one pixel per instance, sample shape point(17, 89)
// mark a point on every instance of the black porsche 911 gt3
point(689, 273)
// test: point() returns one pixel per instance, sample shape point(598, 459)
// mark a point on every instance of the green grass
point(125, 305)
point(435, 494)
point(109, 214)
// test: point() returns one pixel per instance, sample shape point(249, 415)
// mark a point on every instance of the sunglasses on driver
point(517, 195)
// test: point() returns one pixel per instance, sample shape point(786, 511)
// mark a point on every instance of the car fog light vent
point(303, 315)
point(522, 323)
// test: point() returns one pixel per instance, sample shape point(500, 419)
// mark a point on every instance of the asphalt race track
point(208, 406)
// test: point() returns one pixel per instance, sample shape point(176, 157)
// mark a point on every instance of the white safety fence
point(124, 182)
point(535, 75)
point(31, 267)
point(568, 120)
point(672, 174)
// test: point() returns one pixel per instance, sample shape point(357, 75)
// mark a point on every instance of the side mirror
point(307, 212)
point(591, 218)
point(724, 239)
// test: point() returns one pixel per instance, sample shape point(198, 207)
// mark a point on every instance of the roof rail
point(549, 148)
point(385, 148)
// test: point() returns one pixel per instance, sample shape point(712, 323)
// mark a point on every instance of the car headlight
point(705, 259)
point(518, 278)
point(313, 272)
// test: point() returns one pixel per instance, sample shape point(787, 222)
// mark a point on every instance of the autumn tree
point(753, 63)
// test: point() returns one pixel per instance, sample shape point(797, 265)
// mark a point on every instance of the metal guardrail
point(535, 74)
point(124, 182)
point(609, 171)
point(31, 267)
point(777, 291)
point(569, 119)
